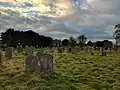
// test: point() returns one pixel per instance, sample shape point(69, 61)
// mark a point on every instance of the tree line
point(13, 37)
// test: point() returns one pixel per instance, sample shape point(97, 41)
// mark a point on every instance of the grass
point(78, 71)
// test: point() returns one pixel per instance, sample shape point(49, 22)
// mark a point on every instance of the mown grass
point(78, 71)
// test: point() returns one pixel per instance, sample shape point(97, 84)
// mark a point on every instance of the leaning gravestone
point(9, 52)
point(29, 51)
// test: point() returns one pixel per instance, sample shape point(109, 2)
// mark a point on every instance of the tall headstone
point(31, 63)
point(9, 52)
point(46, 62)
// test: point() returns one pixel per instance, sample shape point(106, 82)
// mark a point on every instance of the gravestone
point(29, 51)
point(19, 49)
point(42, 64)
point(31, 63)
point(103, 52)
point(46, 62)
point(68, 49)
point(9, 52)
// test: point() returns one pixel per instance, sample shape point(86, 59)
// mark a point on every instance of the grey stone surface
point(31, 63)
point(40, 64)
point(9, 52)
point(46, 62)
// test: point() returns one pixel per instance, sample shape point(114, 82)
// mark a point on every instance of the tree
point(98, 44)
point(90, 43)
point(72, 41)
point(82, 39)
point(117, 34)
point(12, 38)
point(57, 42)
point(65, 42)
point(107, 44)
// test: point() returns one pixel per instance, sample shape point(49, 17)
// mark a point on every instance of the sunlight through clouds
point(54, 8)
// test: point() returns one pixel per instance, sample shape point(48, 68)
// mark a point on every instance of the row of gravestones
point(38, 63)
point(65, 50)
point(77, 49)
point(30, 51)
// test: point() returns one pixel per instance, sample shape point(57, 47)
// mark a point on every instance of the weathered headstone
point(9, 52)
point(42, 64)
point(46, 62)
point(31, 63)
point(103, 52)
point(29, 51)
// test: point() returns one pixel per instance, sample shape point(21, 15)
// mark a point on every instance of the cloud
point(62, 18)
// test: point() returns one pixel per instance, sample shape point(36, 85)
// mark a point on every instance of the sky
point(62, 18)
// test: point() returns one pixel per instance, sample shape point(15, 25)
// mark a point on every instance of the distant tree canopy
point(89, 43)
point(105, 43)
point(12, 38)
point(65, 42)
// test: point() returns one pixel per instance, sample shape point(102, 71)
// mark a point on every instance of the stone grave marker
point(46, 62)
point(103, 52)
point(42, 64)
point(31, 63)
point(9, 52)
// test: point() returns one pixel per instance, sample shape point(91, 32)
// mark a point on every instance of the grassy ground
point(72, 72)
